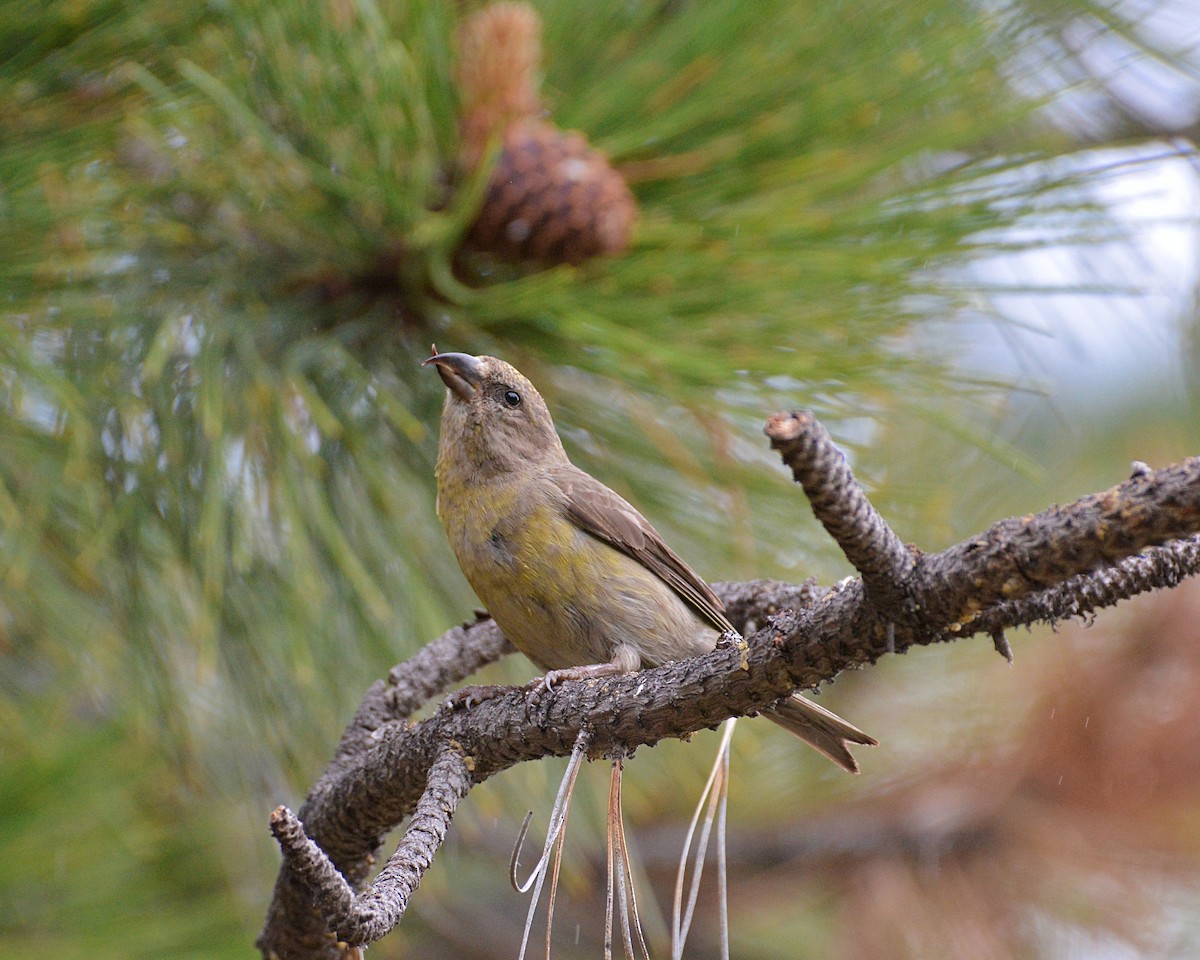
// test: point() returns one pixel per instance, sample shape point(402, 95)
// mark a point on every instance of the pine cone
point(553, 198)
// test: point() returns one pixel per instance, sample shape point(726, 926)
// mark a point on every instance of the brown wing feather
point(605, 515)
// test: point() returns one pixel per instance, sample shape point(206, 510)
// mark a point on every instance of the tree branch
point(1063, 561)
point(364, 918)
point(841, 504)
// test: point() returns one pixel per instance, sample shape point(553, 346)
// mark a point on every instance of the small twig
point(558, 817)
point(1022, 556)
point(841, 504)
point(1155, 568)
point(1002, 646)
point(360, 919)
point(309, 862)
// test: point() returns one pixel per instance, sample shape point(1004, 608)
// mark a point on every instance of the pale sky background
point(1086, 349)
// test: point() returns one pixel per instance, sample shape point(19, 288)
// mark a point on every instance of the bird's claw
point(537, 688)
point(476, 693)
point(544, 684)
point(729, 638)
point(481, 616)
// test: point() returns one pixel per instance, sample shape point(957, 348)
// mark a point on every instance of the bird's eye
point(512, 398)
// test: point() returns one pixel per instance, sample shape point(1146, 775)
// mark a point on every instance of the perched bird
point(577, 579)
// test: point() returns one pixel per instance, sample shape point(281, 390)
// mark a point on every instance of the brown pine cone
point(553, 198)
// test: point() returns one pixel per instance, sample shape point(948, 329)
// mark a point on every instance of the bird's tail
point(823, 731)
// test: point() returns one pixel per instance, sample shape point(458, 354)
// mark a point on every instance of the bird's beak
point(459, 371)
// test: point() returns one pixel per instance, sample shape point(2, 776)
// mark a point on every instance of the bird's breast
point(562, 597)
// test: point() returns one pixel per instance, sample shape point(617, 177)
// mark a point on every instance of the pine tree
point(228, 236)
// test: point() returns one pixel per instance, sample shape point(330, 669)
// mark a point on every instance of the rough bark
point(1063, 562)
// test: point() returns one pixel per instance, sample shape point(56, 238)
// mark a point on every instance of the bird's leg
point(589, 671)
point(625, 659)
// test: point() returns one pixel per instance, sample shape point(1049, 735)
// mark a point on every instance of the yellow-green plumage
point(576, 578)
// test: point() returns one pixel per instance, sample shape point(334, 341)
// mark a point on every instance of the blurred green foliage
point(228, 233)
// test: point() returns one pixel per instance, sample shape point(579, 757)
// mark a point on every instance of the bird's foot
point(466, 697)
point(731, 638)
point(590, 671)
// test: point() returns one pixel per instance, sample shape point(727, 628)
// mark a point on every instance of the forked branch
point(1065, 561)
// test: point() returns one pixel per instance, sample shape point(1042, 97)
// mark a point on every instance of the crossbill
point(576, 578)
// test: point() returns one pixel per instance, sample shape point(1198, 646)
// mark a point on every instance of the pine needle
point(713, 801)
point(620, 877)
point(555, 835)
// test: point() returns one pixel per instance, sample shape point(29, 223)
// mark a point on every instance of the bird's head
point(494, 418)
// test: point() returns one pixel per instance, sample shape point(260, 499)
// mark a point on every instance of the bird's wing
point(605, 515)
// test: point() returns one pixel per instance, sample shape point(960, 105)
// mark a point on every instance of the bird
point(574, 576)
